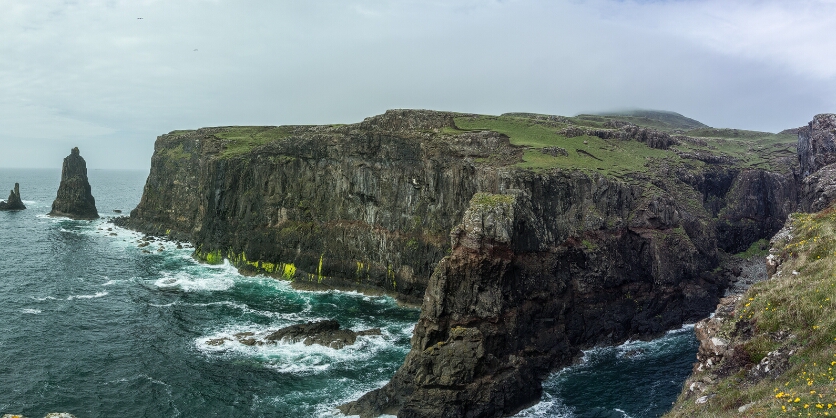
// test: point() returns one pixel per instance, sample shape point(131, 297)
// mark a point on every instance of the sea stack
point(74, 199)
point(13, 202)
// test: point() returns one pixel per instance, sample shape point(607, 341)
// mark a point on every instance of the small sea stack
point(74, 198)
point(13, 202)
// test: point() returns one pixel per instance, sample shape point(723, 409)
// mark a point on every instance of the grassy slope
point(799, 301)
point(242, 139)
point(615, 157)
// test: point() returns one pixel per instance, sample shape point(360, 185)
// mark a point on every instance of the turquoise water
point(93, 325)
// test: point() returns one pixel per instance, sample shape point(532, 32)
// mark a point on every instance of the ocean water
point(93, 325)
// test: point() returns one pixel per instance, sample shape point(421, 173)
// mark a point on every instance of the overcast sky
point(92, 74)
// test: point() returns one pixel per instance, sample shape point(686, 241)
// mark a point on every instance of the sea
point(96, 326)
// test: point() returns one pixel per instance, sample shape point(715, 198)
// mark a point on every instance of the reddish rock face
point(74, 199)
point(817, 143)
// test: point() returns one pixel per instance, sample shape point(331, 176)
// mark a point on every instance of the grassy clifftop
point(777, 343)
point(590, 152)
point(603, 144)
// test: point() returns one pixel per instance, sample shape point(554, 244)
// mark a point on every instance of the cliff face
point(514, 301)
point(74, 199)
point(540, 262)
point(817, 143)
point(768, 351)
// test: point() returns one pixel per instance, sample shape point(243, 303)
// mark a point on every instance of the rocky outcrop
point(818, 190)
point(625, 131)
point(13, 202)
point(74, 199)
point(817, 144)
point(510, 304)
point(757, 205)
point(326, 333)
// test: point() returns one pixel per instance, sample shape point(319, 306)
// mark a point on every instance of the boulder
point(13, 202)
point(326, 333)
point(74, 199)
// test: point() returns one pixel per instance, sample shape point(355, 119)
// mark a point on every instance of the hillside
point(772, 351)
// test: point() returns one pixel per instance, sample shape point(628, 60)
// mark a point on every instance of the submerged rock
point(326, 333)
point(74, 199)
point(13, 202)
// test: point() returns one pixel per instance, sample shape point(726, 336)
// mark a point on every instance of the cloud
point(797, 34)
point(91, 72)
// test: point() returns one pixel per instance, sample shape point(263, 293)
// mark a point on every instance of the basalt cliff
point(524, 237)
point(772, 350)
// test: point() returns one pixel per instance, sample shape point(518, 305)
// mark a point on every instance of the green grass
point(611, 157)
point(181, 132)
point(242, 139)
point(176, 153)
point(616, 158)
point(759, 248)
point(489, 200)
point(799, 302)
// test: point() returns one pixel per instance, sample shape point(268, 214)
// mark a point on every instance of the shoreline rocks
point(13, 202)
point(74, 199)
point(326, 333)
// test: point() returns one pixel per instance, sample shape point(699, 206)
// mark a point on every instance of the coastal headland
point(525, 238)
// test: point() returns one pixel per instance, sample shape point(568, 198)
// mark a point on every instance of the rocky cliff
point(768, 351)
point(13, 202)
point(550, 252)
point(74, 199)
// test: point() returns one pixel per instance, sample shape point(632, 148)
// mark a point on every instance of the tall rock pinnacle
point(74, 199)
point(13, 202)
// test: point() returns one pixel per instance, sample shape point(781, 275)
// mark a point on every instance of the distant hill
point(657, 118)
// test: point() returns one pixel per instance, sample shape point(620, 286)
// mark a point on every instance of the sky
point(109, 76)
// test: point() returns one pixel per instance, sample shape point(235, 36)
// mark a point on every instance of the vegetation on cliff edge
point(575, 143)
point(793, 313)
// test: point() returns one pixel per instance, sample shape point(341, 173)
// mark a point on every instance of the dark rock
point(74, 199)
point(13, 202)
point(326, 333)
point(500, 313)
point(818, 190)
point(817, 144)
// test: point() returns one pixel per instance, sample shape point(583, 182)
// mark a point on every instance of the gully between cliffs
point(516, 271)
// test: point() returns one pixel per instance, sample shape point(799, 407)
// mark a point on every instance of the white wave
point(623, 413)
point(31, 311)
point(29, 202)
point(188, 282)
point(683, 328)
point(408, 330)
point(97, 295)
point(550, 407)
point(44, 298)
point(296, 358)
